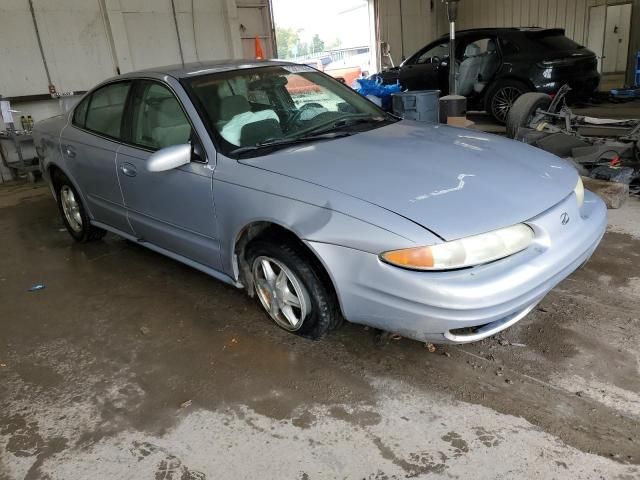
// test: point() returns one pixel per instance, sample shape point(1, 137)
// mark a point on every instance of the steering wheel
point(296, 116)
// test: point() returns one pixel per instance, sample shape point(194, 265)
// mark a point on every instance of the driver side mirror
point(169, 158)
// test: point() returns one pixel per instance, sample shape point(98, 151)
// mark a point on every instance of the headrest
point(232, 106)
point(167, 112)
point(472, 50)
point(491, 45)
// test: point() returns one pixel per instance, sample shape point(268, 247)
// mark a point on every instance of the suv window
point(554, 41)
point(158, 118)
point(508, 46)
point(441, 50)
point(104, 114)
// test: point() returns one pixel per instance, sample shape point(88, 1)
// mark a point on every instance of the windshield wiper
point(283, 142)
point(346, 122)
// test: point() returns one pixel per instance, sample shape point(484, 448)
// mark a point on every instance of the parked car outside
point(318, 202)
point(496, 65)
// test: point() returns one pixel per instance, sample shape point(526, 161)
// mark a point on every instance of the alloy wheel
point(71, 208)
point(281, 293)
point(503, 100)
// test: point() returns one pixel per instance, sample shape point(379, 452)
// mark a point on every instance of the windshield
point(555, 41)
point(249, 107)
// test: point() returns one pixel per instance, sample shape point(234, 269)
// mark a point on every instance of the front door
point(427, 69)
point(174, 209)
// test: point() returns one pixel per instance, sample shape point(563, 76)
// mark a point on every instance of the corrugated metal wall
point(572, 15)
point(406, 25)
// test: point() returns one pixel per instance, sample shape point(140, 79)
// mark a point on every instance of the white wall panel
point(22, 71)
point(572, 15)
point(413, 28)
point(86, 41)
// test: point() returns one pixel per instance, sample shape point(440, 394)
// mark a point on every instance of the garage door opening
point(335, 36)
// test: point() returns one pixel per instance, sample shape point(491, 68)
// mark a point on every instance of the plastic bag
point(375, 88)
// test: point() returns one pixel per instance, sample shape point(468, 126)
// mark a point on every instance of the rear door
point(89, 145)
point(174, 209)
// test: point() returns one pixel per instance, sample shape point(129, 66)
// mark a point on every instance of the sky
point(315, 17)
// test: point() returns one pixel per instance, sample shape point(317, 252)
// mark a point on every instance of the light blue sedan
point(275, 178)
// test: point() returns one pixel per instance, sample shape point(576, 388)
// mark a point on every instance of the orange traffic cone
point(259, 52)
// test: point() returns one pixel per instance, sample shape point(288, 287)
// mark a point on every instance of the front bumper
point(435, 306)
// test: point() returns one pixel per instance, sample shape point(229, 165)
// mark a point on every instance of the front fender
point(311, 212)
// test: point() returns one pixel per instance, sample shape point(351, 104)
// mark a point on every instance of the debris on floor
point(614, 194)
point(36, 287)
point(601, 148)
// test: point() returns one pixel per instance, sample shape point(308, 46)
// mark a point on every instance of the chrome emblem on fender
point(564, 218)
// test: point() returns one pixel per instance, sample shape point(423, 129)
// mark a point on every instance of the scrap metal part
point(603, 148)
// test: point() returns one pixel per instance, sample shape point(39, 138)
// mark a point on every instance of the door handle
point(69, 151)
point(128, 169)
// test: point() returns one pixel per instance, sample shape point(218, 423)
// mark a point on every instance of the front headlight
point(579, 191)
point(465, 252)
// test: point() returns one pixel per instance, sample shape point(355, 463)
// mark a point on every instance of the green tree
point(287, 42)
point(337, 43)
point(317, 44)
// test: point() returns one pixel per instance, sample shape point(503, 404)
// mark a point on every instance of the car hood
point(452, 181)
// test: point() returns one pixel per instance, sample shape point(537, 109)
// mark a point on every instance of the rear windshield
point(554, 41)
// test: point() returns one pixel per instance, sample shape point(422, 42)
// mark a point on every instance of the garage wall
point(406, 25)
point(572, 15)
point(87, 41)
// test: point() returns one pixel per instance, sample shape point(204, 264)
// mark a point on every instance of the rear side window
point(555, 42)
point(508, 46)
point(104, 114)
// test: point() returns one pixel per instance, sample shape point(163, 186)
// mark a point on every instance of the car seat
point(241, 126)
point(489, 66)
point(232, 106)
point(469, 70)
point(170, 125)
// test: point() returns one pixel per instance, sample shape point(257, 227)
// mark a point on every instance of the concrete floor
point(131, 365)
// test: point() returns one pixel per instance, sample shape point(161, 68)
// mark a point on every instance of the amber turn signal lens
point(419, 257)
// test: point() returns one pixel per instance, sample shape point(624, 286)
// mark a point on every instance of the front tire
point(292, 288)
point(501, 97)
point(73, 213)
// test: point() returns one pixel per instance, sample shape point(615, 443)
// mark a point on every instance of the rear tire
point(501, 97)
point(73, 213)
point(313, 304)
point(524, 109)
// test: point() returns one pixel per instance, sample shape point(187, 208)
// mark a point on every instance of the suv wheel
point(73, 212)
point(292, 288)
point(501, 97)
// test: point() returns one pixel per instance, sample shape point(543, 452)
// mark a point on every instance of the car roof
point(202, 68)
point(498, 30)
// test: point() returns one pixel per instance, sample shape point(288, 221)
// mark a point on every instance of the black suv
point(494, 66)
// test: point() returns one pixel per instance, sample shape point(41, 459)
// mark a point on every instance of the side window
point(479, 46)
point(158, 119)
point(441, 51)
point(509, 47)
point(104, 114)
point(80, 112)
